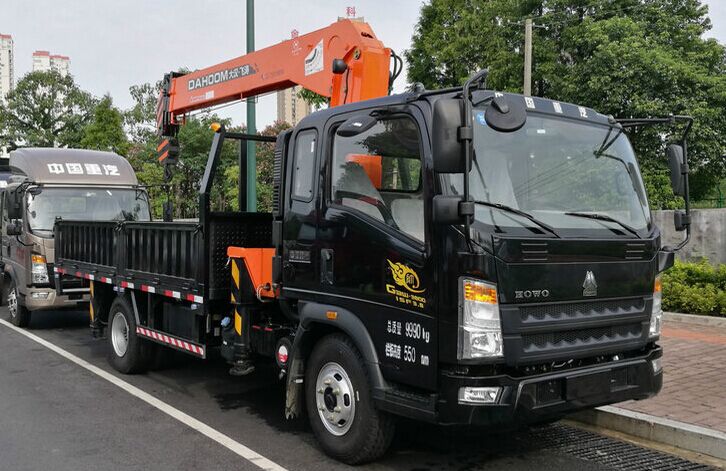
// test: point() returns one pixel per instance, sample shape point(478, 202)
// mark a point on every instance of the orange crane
point(344, 62)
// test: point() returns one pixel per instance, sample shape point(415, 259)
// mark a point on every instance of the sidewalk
point(694, 385)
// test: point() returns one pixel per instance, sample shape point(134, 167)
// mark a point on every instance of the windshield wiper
point(605, 217)
point(519, 212)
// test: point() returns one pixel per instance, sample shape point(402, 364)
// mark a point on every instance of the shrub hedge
point(695, 288)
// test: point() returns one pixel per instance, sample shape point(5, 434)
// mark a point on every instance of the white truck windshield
point(87, 204)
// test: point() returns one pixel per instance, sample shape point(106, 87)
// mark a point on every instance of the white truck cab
point(47, 184)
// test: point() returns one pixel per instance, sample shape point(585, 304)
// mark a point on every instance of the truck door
point(13, 254)
point(372, 238)
point(300, 215)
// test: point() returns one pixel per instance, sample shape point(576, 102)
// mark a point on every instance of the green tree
point(105, 131)
point(140, 120)
point(627, 58)
point(315, 100)
point(265, 170)
point(45, 109)
point(195, 140)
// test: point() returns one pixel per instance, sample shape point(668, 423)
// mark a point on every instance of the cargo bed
point(183, 260)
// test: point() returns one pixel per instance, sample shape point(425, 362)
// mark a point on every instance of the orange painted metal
point(296, 61)
point(259, 267)
point(372, 165)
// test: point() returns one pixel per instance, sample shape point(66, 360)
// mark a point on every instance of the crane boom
point(344, 62)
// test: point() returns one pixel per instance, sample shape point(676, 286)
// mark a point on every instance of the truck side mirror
point(12, 202)
point(448, 150)
point(446, 210)
point(681, 220)
point(674, 152)
point(14, 228)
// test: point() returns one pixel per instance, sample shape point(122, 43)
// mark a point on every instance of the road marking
point(224, 440)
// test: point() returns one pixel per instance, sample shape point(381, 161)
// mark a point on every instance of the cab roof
point(72, 166)
point(532, 104)
point(547, 106)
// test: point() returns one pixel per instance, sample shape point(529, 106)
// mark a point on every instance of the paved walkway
point(694, 387)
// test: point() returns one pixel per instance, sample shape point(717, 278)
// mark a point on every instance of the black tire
point(3, 288)
point(134, 358)
point(18, 314)
point(369, 433)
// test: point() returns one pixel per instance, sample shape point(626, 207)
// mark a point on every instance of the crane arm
point(344, 62)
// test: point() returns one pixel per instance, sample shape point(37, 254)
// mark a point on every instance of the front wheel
point(19, 314)
point(339, 403)
point(128, 352)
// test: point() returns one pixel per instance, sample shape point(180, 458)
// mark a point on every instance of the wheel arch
point(316, 323)
point(9, 276)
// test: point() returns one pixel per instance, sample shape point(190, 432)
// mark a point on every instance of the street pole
point(251, 126)
point(527, 57)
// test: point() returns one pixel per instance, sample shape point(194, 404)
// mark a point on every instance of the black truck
point(460, 256)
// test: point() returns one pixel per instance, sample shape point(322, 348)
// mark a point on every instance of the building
point(7, 65)
point(61, 64)
point(43, 61)
point(7, 83)
point(290, 107)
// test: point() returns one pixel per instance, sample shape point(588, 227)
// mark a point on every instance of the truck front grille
point(533, 313)
point(537, 333)
point(581, 337)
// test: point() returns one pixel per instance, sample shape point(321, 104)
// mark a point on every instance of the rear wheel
point(340, 406)
point(19, 314)
point(128, 352)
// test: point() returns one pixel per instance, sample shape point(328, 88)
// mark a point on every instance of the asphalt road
point(56, 415)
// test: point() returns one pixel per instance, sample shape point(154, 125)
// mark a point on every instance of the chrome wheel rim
point(13, 303)
point(119, 334)
point(335, 399)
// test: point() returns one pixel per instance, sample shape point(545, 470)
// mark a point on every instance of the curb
point(710, 321)
point(657, 429)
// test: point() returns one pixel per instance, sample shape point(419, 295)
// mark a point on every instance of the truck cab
point(545, 301)
point(50, 184)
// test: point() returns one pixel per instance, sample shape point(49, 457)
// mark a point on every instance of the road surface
point(60, 410)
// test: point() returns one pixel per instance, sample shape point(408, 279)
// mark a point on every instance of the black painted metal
point(162, 254)
point(165, 255)
point(232, 230)
point(87, 244)
point(213, 276)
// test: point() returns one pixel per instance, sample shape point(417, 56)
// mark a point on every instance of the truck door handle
point(327, 261)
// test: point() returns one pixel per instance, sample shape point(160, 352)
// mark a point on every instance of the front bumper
point(38, 299)
point(538, 398)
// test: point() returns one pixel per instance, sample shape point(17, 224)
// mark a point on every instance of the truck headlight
point(39, 269)
point(480, 327)
point(656, 316)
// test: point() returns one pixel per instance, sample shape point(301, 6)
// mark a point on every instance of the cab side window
point(303, 174)
point(378, 173)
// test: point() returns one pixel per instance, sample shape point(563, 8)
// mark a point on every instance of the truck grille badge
point(589, 286)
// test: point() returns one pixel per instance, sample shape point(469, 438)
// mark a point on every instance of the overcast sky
point(115, 44)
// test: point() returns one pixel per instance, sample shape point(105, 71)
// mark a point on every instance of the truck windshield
point(87, 204)
point(575, 177)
